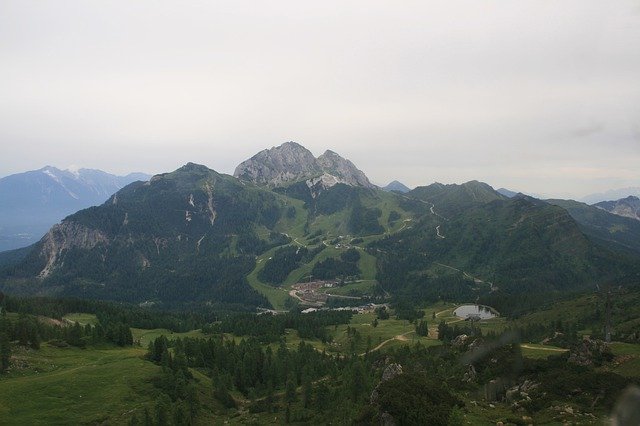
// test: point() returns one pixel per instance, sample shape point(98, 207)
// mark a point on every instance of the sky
point(537, 96)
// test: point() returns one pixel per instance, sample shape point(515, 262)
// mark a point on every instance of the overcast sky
point(538, 96)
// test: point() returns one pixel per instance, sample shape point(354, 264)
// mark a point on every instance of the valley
point(200, 298)
point(328, 213)
point(66, 377)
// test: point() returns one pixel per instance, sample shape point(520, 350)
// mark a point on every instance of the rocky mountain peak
point(292, 162)
point(625, 207)
point(278, 165)
point(343, 169)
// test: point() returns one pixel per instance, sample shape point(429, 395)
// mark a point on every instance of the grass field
point(76, 386)
point(627, 362)
point(276, 296)
point(371, 337)
point(145, 336)
point(537, 351)
point(81, 318)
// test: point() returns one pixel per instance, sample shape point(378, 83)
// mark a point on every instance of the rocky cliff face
point(343, 169)
point(64, 236)
point(291, 162)
point(626, 207)
point(288, 162)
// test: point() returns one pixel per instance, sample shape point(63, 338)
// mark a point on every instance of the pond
point(475, 312)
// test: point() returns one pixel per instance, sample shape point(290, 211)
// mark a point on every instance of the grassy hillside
point(76, 386)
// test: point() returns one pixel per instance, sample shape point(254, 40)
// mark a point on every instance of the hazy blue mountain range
point(397, 186)
point(626, 207)
point(612, 194)
point(607, 228)
point(33, 201)
point(507, 192)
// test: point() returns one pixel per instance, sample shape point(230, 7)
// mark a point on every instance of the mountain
point(612, 194)
point(609, 229)
point(453, 198)
point(186, 236)
point(507, 193)
point(292, 162)
point(397, 186)
point(33, 201)
point(626, 207)
point(515, 253)
point(194, 236)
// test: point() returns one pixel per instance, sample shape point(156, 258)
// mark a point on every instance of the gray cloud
point(538, 96)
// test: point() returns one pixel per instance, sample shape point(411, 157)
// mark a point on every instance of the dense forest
point(412, 384)
point(344, 267)
point(284, 261)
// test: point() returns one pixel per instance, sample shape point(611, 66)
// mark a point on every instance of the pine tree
point(163, 408)
point(422, 328)
point(306, 391)
point(5, 352)
point(290, 390)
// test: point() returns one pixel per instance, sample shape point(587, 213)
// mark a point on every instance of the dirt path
point(404, 224)
point(536, 348)
point(294, 293)
point(442, 312)
point(476, 280)
point(401, 337)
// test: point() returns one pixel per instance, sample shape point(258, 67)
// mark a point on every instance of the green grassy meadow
point(108, 385)
point(145, 336)
point(81, 318)
point(76, 386)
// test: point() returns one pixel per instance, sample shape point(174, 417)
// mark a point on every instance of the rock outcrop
point(590, 352)
point(344, 170)
point(292, 162)
point(626, 207)
point(64, 236)
point(390, 372)
point(288, 162)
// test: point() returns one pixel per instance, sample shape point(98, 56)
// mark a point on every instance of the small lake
point(477, 311)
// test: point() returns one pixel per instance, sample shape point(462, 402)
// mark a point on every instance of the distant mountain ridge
point(35, 200)
point(611, 230)
point(292, 162)
point(194, 236)
point(626, 207)
point(397, 186)
point(507, 192)
point(612, 194)
point(453, 198)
